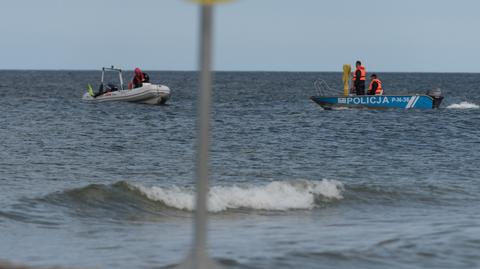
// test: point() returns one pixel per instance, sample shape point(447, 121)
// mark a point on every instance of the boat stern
point(436, 95)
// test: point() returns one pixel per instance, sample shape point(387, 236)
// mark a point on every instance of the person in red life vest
point(375, 86)
point(359, 77)
point(138, 79)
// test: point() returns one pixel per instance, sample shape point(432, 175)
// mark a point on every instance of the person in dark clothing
point(101, 90)
point(146, 78)
point(375, 86)
point(359, 77)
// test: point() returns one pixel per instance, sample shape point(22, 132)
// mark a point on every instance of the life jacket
point(379, 90)
point(363, 73)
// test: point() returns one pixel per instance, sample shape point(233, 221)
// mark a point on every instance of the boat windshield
point(111, 75)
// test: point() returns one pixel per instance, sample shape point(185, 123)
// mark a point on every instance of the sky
point(250, 35)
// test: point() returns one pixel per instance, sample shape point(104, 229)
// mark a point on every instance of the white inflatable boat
point(151, 94)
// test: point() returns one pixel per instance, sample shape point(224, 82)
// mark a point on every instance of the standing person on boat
point(359, 77)
point(138, 79)
point(375, 87)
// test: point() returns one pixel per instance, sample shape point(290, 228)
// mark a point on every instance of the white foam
point(464, 105)
point(276, 195)
point(341, 108)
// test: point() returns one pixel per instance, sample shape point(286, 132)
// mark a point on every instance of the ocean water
point(110, 185)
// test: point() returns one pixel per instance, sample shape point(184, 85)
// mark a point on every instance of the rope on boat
point(322, 87)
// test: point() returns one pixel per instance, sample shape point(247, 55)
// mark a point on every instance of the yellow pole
point(346, 78)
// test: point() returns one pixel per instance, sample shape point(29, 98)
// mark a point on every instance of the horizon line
point(239, 71)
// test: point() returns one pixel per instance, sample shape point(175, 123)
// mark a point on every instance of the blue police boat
point(431, 100)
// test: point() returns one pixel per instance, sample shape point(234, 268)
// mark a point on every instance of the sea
point(111, 185)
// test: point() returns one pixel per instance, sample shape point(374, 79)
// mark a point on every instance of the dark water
point(110, 185)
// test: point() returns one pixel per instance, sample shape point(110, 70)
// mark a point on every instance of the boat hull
point(147, 94)
point(378, 101)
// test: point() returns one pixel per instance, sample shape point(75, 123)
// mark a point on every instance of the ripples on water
point(111, 185)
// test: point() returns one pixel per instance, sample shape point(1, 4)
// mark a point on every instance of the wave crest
point(276, 195)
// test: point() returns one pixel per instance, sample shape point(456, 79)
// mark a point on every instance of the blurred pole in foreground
point(203, 145)
point(198, 258)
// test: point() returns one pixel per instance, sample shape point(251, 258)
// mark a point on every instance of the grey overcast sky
point(272, 35)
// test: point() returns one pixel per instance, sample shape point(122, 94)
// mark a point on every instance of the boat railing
point(322, 87)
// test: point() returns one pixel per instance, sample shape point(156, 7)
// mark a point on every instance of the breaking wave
point(272, 196)
point(464, 105)
point(124, 200)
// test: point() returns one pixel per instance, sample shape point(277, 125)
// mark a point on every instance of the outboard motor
point(437, 97)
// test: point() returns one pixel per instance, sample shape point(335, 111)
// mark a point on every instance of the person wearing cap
point(359, 77)
point(375, 87)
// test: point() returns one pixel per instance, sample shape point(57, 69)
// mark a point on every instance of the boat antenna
point(198, 257)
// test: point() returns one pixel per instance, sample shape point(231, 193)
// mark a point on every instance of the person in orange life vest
point(359, 77)
point(375, 86)
point(138, 79)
